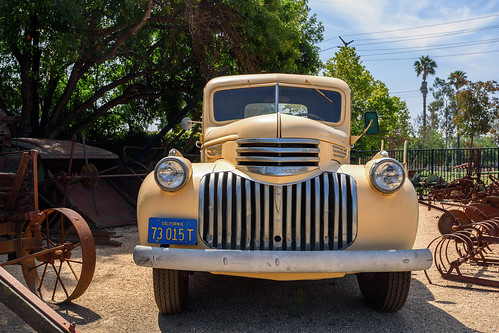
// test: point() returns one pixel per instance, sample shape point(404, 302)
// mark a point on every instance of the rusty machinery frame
point(469, 235)
point(54, 247)
point(469, 225)
point(469, 188)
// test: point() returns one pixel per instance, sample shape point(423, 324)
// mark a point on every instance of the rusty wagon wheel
point(65, 267)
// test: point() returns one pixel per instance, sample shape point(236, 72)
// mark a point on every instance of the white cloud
point(367, 16)
point(343, 17)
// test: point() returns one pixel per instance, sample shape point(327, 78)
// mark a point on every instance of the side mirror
point(371, 122)
point(186, 123)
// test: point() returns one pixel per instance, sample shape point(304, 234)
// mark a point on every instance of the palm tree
point(425, 65)
point(457, 79)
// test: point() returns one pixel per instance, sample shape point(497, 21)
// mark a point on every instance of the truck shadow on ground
point(223, 303)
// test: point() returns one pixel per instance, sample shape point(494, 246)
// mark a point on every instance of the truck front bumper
point(234, 261)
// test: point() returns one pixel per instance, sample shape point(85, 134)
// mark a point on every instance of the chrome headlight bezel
point(180, 172)
point(383, 182)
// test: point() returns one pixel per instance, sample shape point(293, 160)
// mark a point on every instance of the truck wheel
point(385, 291)
point(170, 289)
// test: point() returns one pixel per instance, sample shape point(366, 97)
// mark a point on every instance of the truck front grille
point(314, 215)
point(278, 157)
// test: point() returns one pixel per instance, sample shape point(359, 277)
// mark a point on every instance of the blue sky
point(383, 31)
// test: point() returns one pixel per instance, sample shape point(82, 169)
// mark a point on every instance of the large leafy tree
point(478, 108)
point(70, 64)
point(443, 109)
point(424, 66)
point(434, 137)
point(369, 94)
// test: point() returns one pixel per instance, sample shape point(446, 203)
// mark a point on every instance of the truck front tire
point(170, 290)
point(385, 291)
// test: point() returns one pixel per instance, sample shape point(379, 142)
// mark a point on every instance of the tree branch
point(192, 103)
point(68, 91)
point(47, 101)
point(122, 99)
point(127, 33)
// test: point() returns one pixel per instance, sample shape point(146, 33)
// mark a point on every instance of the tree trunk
point(26, 96)
point(424, 91)
point(35, 78)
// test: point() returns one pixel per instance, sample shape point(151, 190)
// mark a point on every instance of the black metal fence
point(442, 162)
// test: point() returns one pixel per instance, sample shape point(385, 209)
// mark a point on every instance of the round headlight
point(171, 173)
point(387, 175)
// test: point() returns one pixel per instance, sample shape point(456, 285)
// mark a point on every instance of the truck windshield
point(318, 104)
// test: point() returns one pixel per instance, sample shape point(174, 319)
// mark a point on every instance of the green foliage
point(425, 65)
point(457, 79)
point(443, 109)
point(369, 94)
point(113, 66)
point(478, 109)
point(489, 140)
point(434, 139)
point(280, 34)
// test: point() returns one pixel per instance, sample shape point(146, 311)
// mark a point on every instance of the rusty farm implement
point(467, 250)
point(54, 247)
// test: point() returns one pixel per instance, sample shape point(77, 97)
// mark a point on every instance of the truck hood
point(275, 125)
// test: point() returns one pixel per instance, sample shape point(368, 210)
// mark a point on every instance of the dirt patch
point(120, 298)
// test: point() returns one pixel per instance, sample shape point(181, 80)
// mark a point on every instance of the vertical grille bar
point(343, 210)
point(228, 201)
point(336, 220)
point(298, 218)
point(258, 221)
point(220, 210)
point(249, 209)
point(277, 225)
point(239, 210)
point(266, 217)
point(326, 211)
point(289, 197)
point(317, 215)
point(353, 187)
point(308, 213)
point(211, 209)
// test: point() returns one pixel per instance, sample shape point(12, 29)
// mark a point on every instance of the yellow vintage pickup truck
point(275, 196)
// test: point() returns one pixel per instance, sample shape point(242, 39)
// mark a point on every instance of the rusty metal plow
point(467, 254)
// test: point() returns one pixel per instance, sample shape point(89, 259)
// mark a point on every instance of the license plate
point(172, 231)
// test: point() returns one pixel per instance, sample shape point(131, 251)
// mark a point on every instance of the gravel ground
point(120, 299)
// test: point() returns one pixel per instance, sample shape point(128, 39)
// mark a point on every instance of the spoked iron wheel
point(66, 264)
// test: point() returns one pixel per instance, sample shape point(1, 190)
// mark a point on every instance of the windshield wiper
point(319, 92)
point(322, 94)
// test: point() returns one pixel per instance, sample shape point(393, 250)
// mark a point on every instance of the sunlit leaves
point(478, 108)
point(369, 94)
point(117, 65)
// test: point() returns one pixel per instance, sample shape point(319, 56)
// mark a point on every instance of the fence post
point(432, 161)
